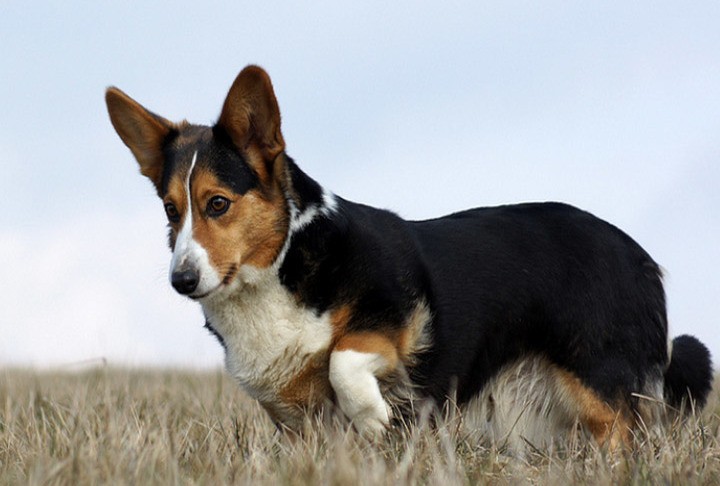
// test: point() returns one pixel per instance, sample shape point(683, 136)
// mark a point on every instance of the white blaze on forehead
point(187, 181)
point(188, 253)
point(184, 238)
point(188, 217)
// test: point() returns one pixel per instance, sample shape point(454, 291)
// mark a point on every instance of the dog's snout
point(185, 281)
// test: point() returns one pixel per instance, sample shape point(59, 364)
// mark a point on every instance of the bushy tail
point(690, 373)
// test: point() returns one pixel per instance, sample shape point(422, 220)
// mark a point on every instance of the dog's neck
point(306, 201)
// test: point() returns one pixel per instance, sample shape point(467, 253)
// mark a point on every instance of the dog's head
point(222, 186)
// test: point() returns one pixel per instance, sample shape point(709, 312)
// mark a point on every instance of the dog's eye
point(172, 213)
point(217, 206)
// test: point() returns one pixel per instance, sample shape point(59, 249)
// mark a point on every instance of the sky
point(420, 107)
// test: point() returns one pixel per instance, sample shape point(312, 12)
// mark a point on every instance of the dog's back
point(544, 279)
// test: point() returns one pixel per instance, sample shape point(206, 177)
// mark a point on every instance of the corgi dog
point(540, 315)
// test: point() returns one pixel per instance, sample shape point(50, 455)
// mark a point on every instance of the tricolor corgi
point(540, 314)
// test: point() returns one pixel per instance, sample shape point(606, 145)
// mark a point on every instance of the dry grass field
point(178, 427)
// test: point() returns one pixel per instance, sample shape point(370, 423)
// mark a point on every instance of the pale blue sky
point(421, 107)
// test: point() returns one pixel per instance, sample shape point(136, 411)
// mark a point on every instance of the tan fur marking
point(251, 232)
point(311, 387)
point(608, 426)
point(339, 319)
point(176, 195)
point(406, 342)
point(372, 343)
point(412, 339)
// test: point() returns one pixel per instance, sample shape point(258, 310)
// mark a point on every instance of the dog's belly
point(523, 402)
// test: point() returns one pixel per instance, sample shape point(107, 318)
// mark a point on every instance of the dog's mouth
point(209, 293)
point(226, 281)
point(205, 294)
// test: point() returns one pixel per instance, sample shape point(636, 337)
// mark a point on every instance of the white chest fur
point(268, 336)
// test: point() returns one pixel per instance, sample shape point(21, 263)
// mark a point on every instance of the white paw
point(371, 427)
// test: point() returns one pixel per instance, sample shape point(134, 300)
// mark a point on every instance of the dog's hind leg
point(356, 362)
point(609, 425)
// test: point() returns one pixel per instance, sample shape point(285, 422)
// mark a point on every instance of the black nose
point(185, 282)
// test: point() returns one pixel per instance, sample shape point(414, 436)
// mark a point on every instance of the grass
point(177, 427)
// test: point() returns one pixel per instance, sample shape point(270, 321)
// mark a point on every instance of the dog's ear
point(142, 131)
point(251, 116)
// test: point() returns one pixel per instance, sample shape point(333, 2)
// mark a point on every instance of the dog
point(535, 312)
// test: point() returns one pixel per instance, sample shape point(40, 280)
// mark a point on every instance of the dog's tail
point(689, 374)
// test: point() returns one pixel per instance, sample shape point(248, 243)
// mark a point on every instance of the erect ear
point(142, 131)
point(251, 116)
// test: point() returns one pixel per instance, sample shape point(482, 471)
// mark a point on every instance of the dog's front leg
point(355, 364)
